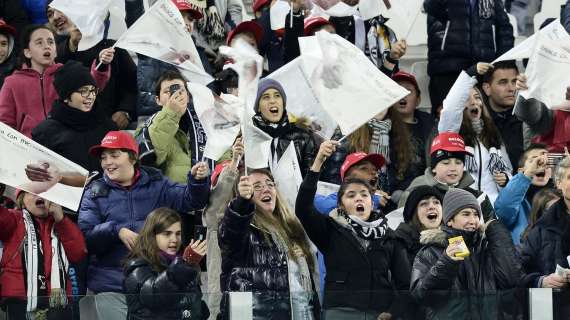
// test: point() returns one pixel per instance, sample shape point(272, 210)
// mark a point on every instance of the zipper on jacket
point(131, 213)
point(447, 24)
point(494, 38)
point(43, 95)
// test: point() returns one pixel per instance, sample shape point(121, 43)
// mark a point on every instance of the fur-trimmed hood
point(438, 237)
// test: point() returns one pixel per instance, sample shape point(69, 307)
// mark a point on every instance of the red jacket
point(27, 96)
point(559, 136)
point(12, 232)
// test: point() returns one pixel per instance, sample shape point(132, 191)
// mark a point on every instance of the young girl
point(159, 284)
point(27, 95)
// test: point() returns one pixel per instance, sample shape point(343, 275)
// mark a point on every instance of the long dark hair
point(489, 136)
point(539, 202)
point(25, 38)
point(146, 247)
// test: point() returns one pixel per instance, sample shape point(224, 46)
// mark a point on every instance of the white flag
point(547, 71)
point(403, 14)
point(348, 85)
point(88, 16)
point(278, 13)
point(161, 34)
point(19, 151)
point(554, 31)
point(287, 175)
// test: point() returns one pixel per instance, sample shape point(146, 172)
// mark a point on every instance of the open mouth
point(173, 247)
point(474, 111)
point(432, 216)
point(266, 199)
point(359, 208)
point(403, 103)
point(47, 54)
point(373, 182)
point(111, 170)
point(541, 174)
point(274, 110)
point(40, 203)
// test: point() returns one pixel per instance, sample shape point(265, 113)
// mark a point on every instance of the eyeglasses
point(259, 186)
point(86, 92)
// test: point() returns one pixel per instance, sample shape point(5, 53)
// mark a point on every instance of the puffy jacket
point(457, 289)
point(409, 238)
point(357, 277)
point(545, 246)
point(513, 208)
point(107, 207)
point(458, 36)
point(13, 232)
point(63, 133)
point(171, 294)
point(27, 96)
point(252, 262)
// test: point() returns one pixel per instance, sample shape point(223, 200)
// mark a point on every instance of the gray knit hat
point(456, 200)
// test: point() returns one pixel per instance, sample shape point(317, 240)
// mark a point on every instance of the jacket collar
point(465, 181)
point(146, 176)
point(26, 70)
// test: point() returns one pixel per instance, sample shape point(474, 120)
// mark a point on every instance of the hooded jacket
point(465, 183)
point(107, 207)
point(171, 294)
point(457, 289)
point(26, 98)
point(13, 232)
point(512, 206)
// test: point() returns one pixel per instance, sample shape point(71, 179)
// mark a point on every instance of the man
point(499, 86)
point(447, 170)
point(513, 204)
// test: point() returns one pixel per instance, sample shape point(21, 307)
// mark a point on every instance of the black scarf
point(275, 130)
point(375, 228)
point(75, 118)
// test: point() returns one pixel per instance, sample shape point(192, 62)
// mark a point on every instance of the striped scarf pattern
point(380, 141)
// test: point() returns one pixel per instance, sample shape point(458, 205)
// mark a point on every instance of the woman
point(358, 247)
point(464, 113)
point(39, 243)
point(266, 251)
point(28, 94)
point(75, 122)
point(541, 202)
point(114, 208)
point(271, 117)
point(452, 286)
point(160, 284)
point(422, 212)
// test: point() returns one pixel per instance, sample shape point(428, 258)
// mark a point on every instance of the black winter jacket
point(409, 238)
point(465, 289)
point(71, 132)
point(545, 247)
point(357, 277)
point(459, 36)
point(253, 263)
point(171, 294)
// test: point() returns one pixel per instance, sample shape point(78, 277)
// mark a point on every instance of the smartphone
point(173, 88)
point(200, 233)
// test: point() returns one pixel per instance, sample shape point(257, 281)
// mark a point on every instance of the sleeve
point(309, 153)
point(220, 197)
point(72, 240)
point(486, 207)
point(8, 106)
point(436, 8)
point(99, 234)
point(291, 38)
point(535, 114)
point(509, 203)
point(265, 22)
point(185, 198)
point(315, 224)
point(235, 11)
point(126, 90)
point(101, 77)
point(508, 269)
point(530, 258)
point(565, 16)
point(162, 130)
point(400, 271)
point(8, 224)
point(234, 228)
point(503, 29)
point(454, 103)
point(432, 273)
point(325, 204)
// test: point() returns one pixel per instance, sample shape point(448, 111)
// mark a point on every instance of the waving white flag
point(402, 15)
point(88, 16)
point(161, 34)
point(287, 175)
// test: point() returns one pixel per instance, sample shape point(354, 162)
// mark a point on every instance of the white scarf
point(59, 267)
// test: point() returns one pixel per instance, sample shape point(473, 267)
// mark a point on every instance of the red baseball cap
point(184, 5)
point(246, 26)
point(258, 4)
point(115, 140)
point(8, 28)
point(450, 142)
point(354, 158)
point(405, 76)
point(313, 23)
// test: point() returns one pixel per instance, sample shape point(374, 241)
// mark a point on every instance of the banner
point(347, 84)
point(18, 152)
point(287, 175)
point(88, 16)
point(220, 118)
point(547, 71)
point(554, 31)
point(161, 34)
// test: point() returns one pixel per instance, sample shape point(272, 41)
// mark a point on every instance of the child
point(7, 58)
point(27, 96)
point(159, 284)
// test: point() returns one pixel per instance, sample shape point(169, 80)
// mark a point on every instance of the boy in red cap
point(447, 170)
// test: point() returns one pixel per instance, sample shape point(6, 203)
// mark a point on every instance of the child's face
point(41, 49)
point(169, 240)
point(4, 47)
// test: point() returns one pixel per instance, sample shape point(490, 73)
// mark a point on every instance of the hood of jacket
point(438, 237)
point(430, 180)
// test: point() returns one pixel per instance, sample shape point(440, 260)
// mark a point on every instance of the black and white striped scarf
point(375, 228)
point(486, 8)
point(380, 140)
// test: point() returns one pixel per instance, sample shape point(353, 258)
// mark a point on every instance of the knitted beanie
point(417, 195)
point(456, 200)
point(264, 85)
point(70, 77)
